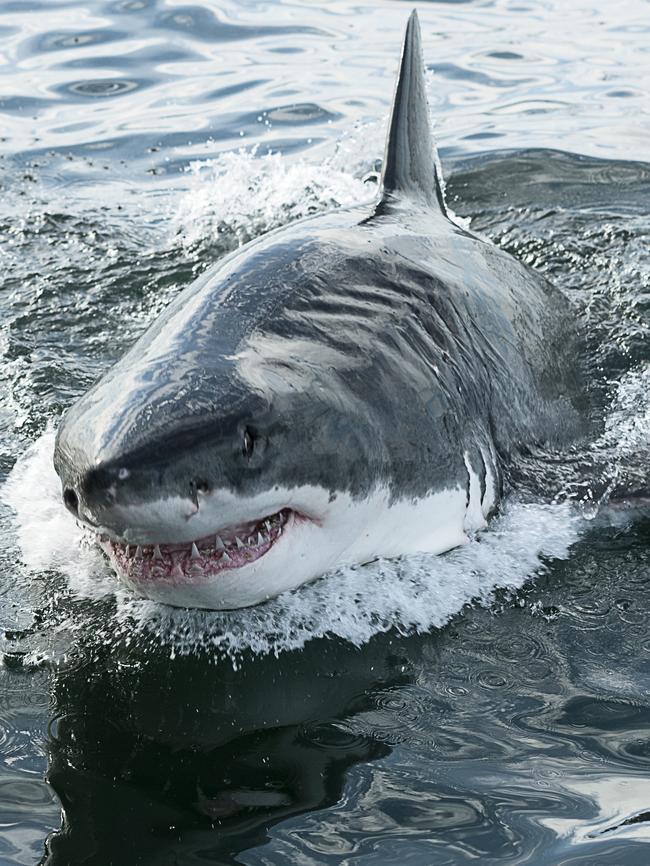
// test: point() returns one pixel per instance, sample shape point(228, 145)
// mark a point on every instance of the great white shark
point(348, 387)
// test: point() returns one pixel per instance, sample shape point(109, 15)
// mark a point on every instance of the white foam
point(240, 195)
point(621, 451)
point(47, 534)
point(415, 593)
point(627, 426)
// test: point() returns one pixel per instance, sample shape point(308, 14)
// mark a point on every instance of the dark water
point(486, 706)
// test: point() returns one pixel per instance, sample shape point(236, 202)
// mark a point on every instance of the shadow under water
point(185, 760)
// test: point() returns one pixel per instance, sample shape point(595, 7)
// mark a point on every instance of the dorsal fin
point(409, 162)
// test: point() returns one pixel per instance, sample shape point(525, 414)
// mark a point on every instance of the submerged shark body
point(345, 388)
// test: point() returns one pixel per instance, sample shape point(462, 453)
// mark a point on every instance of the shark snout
point(92, 493)
point(104, 496)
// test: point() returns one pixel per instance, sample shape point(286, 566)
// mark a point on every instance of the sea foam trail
point(414, 594)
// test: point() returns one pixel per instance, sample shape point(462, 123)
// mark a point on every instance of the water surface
point(490, 704)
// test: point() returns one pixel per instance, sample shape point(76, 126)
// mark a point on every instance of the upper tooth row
point(262, 538)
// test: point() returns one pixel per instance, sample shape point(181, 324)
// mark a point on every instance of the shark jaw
point(200, 560)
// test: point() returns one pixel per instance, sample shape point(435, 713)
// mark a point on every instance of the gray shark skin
point(347, 387)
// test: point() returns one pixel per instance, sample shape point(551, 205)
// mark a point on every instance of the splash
point(413, 594)
point(623, 448)
point(627, 426)
point(240, 195)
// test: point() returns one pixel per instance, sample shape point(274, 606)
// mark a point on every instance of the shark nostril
point(71, 500)
point(198, 486)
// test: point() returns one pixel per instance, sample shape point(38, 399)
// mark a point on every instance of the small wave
point(240, 195)
point(627, 426)
point(413, 594)
point(623, 448)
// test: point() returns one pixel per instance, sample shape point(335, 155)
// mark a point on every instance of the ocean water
point(490, 705)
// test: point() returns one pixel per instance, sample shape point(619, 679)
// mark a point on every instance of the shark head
point(251, 439)
point(215, 479)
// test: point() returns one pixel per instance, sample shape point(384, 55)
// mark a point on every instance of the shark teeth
point(197, 560)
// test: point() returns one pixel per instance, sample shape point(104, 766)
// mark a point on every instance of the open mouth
point(201, 559)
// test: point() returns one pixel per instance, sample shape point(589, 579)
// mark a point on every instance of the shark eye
point(247, 444)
